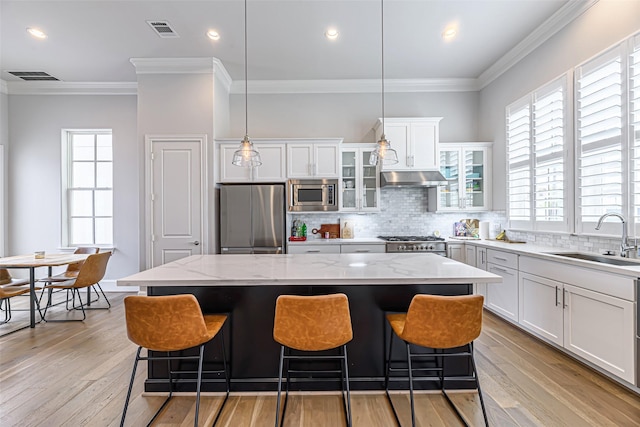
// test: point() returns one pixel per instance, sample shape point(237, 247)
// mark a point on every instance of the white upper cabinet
point(467, 167)
point(314, 159)
point(360, 180)
point(272, 169)
point(414, 139)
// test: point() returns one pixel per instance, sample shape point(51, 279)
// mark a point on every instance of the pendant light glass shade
point(246, 156)
point(383, 152)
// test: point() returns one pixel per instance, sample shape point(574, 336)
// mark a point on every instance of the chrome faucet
point(624, 246)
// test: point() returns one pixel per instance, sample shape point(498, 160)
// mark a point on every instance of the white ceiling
point(93, 41)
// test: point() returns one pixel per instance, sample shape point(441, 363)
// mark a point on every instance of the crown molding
point(354, 86)
point(3, 86)
point(71, 88)
point(564, 16)
point(205, 65)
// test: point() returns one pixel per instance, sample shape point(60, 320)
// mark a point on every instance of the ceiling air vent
point(32, 75)
point(163, 29)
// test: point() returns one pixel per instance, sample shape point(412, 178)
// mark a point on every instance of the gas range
point(430, 244)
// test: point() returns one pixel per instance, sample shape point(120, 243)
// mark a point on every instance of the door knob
point(195, 243)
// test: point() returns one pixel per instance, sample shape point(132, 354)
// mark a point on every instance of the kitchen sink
point(597, 258)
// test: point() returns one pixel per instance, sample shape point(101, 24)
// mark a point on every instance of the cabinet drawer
point(314, 249)
point(364, 248)
point(504, 259)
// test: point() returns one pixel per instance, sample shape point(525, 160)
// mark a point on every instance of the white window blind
point(634, 102)
point(549, 152)
point(518, 163)
point(88, 163)
point(599, 138)
point(537, 157)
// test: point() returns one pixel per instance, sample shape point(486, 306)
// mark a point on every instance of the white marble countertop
point(354, 241)
point(538, 251)
point(306, 270)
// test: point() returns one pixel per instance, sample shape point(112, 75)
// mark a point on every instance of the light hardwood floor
point(76, 374)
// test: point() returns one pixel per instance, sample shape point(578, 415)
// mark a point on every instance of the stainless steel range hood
point(412, 179)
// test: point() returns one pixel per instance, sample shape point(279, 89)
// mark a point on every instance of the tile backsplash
point(404, 212)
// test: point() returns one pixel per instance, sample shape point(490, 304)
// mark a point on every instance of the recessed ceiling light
point(213, 35)
point(331, 34)
point(449, 32)
point(36, 33)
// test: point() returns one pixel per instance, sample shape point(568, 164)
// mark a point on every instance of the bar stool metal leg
point(347, 409)
point(413, 411)
point(279, 386)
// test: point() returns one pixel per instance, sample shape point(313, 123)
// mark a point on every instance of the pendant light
point(246, 156)
point(383, 152)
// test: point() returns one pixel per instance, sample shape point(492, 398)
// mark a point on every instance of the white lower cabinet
point(481, 263)
point(599, 328)
point(502, 298)
point(337, 248)
point(362, 248)
point(314, 249)
point(455, 251)
point(593, 325)
point(541, 309)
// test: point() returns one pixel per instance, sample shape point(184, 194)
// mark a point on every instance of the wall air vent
point(163, 29)
point(32, 75)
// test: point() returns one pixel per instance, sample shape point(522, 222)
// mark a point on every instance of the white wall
point(351, 116)
point(175, 104)
point(35, 170)
point(4, 138)
point(604, 24)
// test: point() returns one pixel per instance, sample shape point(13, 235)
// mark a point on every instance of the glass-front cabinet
point(467, 168)
point(360, 181)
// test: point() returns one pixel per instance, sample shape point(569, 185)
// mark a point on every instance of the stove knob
point(411, 248)
point(430, 247)
point(401, 247)
point(423, 247)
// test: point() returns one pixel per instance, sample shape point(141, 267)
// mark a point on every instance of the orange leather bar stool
point(168, 324)
point(443, 323)
point(312, 324)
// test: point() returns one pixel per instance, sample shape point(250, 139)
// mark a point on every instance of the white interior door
point(176, 199)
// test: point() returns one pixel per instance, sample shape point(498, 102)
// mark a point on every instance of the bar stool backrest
point(312, 323)
point(165, 323)
point(443, 321)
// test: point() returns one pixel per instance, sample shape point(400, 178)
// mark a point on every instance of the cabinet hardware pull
point(556, 296)
point(564, 304)
point(363, 250)
point(195, 243)
point(503, 270)
point(314, 250)
point(501, 259)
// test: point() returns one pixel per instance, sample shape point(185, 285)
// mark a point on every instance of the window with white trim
point(634, 102)
point(88, 188)
point(600, 142)
point(537, 156)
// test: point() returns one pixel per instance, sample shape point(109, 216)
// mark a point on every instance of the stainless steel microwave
point(313, 195)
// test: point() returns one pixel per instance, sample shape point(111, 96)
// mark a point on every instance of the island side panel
point(254, 354)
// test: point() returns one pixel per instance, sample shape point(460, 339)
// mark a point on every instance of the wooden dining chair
point(91, 272)
point(10, 287)
point(70, 273)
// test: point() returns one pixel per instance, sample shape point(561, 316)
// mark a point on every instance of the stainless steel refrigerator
point(252, 218)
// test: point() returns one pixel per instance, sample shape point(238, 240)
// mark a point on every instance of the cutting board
point(346, 229)
point(332, 229)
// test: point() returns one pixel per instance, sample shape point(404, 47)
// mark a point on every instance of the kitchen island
point(246, 286)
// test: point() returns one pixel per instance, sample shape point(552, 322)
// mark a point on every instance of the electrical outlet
point(497, 227)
